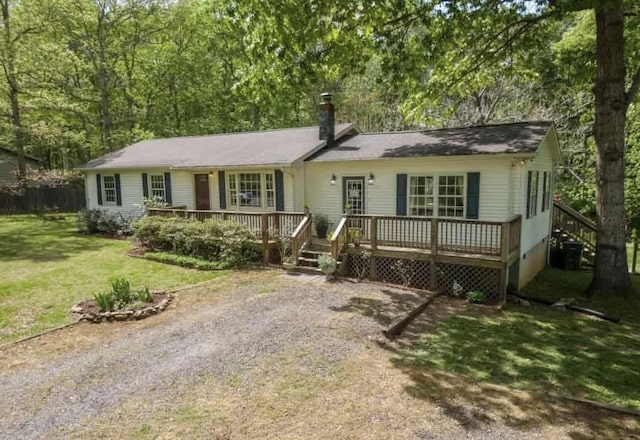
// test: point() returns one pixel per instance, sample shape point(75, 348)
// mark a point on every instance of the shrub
point(327, 262)
point(96, 221)
point(476, 297)
point(211, 240)
point(186, 261)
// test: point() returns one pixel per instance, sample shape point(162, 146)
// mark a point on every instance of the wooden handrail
point(339, 238)
point(301, 237)
point(587, 222)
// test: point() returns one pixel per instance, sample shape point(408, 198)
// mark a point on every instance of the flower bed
point(91, 311)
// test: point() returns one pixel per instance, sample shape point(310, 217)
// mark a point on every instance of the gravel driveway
point(253, 357)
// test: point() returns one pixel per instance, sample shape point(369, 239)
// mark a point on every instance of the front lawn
point(541, 349)
point(47, 267)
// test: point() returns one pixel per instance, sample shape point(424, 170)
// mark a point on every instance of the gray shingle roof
point(275, 147)
point(524, 137)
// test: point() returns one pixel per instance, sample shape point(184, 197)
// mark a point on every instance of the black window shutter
point(145, 186)
point(99, 188)
point(118, 191)
point(279, 191)
point(222, 188)
point(473, 195)
point(529, 178)
point(167, 189)
point(401, 194)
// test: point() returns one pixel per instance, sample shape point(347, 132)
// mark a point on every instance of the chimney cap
point(326, 96)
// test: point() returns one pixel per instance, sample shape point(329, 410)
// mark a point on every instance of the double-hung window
point(421, 195)
point(451, 196)
point(157, 187)
point(443, 195)
point(251, 190)
point(109, 188)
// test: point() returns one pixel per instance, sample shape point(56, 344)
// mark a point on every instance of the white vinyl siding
point(380, 198)
point(182, 190)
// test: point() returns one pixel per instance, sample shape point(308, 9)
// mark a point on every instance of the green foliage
point(106, 301)
point(186, 261)
point(476, 297)
point(229, 243)
point(144, 294)
point(98, 221)
point(355, 235)
point(121, 289)
point(327, 263)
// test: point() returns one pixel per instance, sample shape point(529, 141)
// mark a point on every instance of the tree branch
point(633, 90)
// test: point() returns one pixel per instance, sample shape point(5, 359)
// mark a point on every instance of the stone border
point(123, 315)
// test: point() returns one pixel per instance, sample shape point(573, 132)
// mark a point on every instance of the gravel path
point(257, 321)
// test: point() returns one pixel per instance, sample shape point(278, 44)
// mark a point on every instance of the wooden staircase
point(569, 224)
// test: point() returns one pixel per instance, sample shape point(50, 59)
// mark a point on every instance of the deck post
point(265, 237)
point(433, 266)
point(505, 241)
point(224, 216)
point(276, 222)
point(374, 233)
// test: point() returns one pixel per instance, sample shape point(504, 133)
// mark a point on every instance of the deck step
point(315, 252)
point(309, 270)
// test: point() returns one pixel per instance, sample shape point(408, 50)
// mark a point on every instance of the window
point(270, 190)
point(421, 195)
point(451, 196)
point(546, 184)
point(109, 189)
point(157, 187)
point(254, 190)
point(532, 206)
point(446, 198)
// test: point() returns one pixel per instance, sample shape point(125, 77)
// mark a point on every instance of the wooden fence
point(43, 199)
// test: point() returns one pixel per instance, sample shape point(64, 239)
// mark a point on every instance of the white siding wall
point(182, 189)
point(380, 198)
point(536, 228)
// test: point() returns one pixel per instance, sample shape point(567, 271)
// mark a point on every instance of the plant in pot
point(327, 264)
point(322, 225)
point(305, 207)
point(355, 236)
point(347, 208)
point(288, 262)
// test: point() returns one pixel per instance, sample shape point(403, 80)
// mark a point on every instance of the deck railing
point(264, 225)
point(437, 235)
point(301, 237)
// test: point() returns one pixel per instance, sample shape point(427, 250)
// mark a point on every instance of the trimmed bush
point(98, 221)
point(228, 243)
point(185, 261)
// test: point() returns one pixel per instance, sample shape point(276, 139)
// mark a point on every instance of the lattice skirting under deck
point(452, 279)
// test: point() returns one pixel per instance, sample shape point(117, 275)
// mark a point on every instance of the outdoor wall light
point(372, 179)
point(333, 179)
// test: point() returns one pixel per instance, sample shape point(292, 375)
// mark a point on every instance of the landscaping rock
point(90, 311)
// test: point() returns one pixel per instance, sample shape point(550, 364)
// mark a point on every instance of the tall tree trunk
point(9, 65)
point(611, 274)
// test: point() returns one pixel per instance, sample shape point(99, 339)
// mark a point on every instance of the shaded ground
point(258, 355)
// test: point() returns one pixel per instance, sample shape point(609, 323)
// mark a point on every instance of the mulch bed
point(89, 309)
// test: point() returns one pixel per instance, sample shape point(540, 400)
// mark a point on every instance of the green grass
point(539, 348)
point(47, 267)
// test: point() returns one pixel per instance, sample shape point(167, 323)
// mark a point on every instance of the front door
point(353, 195)
point(202, 192)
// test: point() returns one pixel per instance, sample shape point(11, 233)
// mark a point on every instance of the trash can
point(571, 255)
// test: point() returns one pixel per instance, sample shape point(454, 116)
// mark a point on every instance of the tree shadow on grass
point(32, 238)
point(464, 357)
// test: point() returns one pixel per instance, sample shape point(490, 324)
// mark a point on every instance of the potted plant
point(327, 264)
point(329, 235)
point(322, 225)
point(305, 207)
point(288, 262)
point(347, 208)
point(355, 235)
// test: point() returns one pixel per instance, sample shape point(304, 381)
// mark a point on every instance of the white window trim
point(150, 184)
point(104, 190)
point(533, 204)
point(263, 191)
point(436, 194)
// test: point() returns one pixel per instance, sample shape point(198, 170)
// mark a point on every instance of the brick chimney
point(327, 119)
